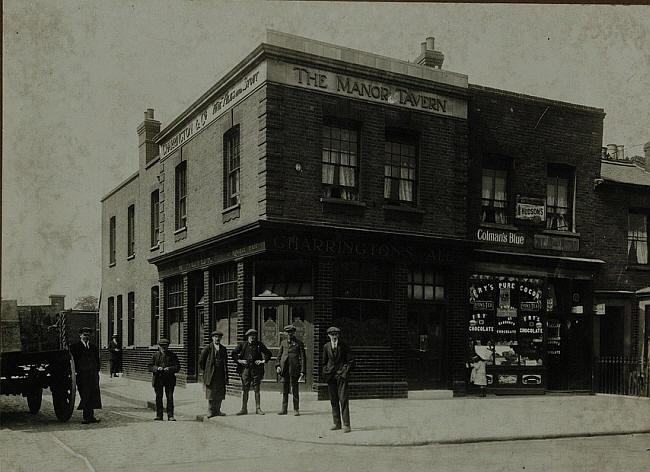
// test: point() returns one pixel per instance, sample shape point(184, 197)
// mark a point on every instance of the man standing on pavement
point(250, 356)
point(214, 364)
point(164, 365)
point(86, 362)
point(291, 366)
point(116, 356)
point(337, 363)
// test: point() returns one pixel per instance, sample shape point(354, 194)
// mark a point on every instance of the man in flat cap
point(164, 365)
point(86, 362)
point(214, 364)
point(337, 364)
point(291, 366)
point(250, 356)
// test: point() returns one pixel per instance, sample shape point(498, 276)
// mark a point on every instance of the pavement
point(411, 422)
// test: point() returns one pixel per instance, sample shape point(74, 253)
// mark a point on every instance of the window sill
point(155, 248)
point(638, 267)
point(132, 256)
point(112, 264)
point(339, 201)
point(555, 232)
point(180, 230)
point(404, 209)
point(230, 208)
point(499, 226)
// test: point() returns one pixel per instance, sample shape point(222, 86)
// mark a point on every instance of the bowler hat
point(85, 329)
point(216, 332)
point(289, 328)
point(251, 332)
point(333, 329)
point(163, 341)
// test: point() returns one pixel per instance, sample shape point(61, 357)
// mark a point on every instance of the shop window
point(425, 284)
point(559, 198)
point(130, 248)
point(155, 313)
point(174, 304)
point(181, 195)
point(111, 232)
point(111, 318)
point(494, 195)
point(155, 218)
point(363, 303)
point(231, 167)
point(283, 279)
point(637, 238)
point(130, 311)
point(120, 326)
point(340, 152)
point(224, 302)
point(400, 170)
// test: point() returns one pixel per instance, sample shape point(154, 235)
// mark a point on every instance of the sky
point(77, 77)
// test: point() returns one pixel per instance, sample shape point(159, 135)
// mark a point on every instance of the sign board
point(530, 210)
point(599, 309)
point(556, 243)
point(511, 238)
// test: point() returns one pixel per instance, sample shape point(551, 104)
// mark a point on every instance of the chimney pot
point(430, 42)
point(611, 151)
point(148, 115)
point(620, 152)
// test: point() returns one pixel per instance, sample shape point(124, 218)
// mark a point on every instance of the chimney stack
point(147, 130)
point(429, 56)
point(620, 152)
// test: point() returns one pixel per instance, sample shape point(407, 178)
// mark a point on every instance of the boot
point(258, 409)
point(244, 404)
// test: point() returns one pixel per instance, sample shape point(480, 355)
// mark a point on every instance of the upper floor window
point(111, 232)
point(131, 231)
point(231, 167)
point(340, 162)
point(494, 195)
point(155, 217)
point(559, 198)
point(400, 170)
point(637, 238)
point(181, 195)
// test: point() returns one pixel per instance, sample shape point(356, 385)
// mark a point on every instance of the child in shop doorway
point(478, 375)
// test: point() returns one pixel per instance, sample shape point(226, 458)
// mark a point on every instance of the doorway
point(426, 360)
point(272, 317)
point(568, 357)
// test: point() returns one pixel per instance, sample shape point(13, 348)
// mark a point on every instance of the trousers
point(290, 382)
point(169, 393)
point(338, 390)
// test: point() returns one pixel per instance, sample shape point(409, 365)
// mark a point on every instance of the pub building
point(319, 185)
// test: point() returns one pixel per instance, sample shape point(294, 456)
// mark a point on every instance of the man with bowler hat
point(337, 364)
point(214, 364)
point(291, 366)
point(250, 356)
point(86, 362)
point(164, 365)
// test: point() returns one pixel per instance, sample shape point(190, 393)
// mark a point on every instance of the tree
point(89, 302)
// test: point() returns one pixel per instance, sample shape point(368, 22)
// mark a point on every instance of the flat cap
point(289, 328)
point(164, 341)
point(216, 332)
point(333, 329)
point(251, 332)
point(85, 329)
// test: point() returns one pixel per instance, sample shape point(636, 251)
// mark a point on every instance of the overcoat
point(207, 361)
point(291, 358)
point(164, 378)
point(86, 362)
point(336, 364)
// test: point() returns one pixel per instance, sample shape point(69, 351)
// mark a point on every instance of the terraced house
point(319, 185)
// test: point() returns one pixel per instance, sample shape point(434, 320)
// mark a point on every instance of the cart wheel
point(64, 392)
point(34, 400)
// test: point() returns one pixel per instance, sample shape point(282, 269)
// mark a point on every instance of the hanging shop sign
point(529, 210)
point(215, 108)
point(511, 238)
point(364, 89)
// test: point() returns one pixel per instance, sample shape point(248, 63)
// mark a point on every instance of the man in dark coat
point(164, 365)
point(250, 356)
point(291, 366)
point(86, 362)
point(337, 363)
point(116, 356)
point(214, 364)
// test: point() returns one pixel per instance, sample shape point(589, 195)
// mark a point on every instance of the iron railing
point(622, 376)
